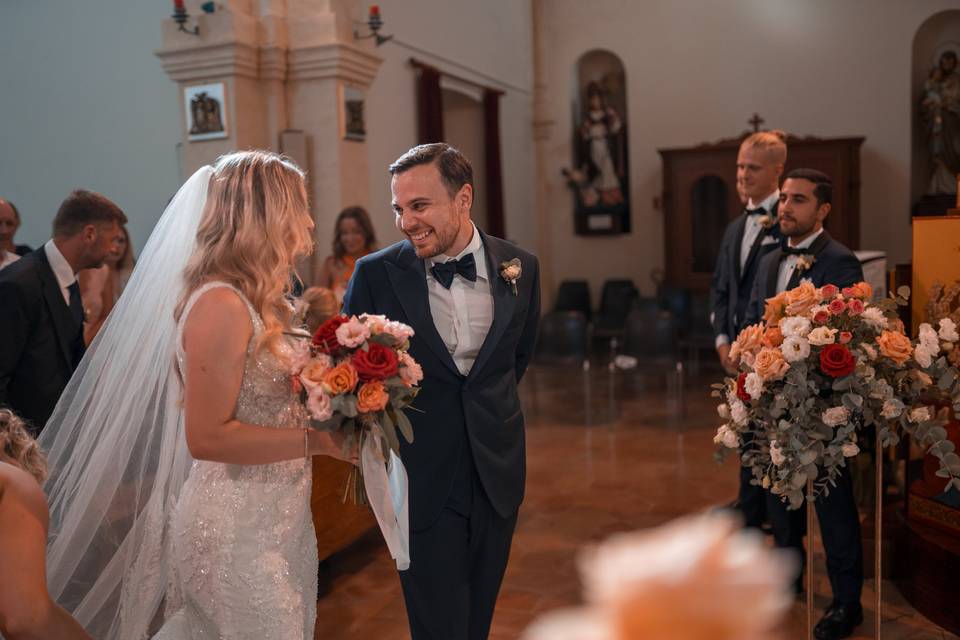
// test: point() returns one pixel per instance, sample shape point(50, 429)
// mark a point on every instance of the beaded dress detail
point(243, 543)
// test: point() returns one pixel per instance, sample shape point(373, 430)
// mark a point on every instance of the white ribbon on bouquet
point(386, 486)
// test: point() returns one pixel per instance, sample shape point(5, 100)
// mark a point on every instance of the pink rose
point(353, 333)
point(398, 330)
point(828, 292)
point(845, 337)
point(821, 317)
point(855, 307)
point(410, 371)
point(848, 292)
point(837, 306)
point(319, 405)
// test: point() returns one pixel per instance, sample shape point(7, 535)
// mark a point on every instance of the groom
point(474, 302)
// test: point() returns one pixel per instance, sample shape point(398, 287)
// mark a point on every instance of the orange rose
point(773, 337)
point(341, 379)
point(372, 397)
point(770, 364)
point(802, 299)
point(313, 374)
point(774, 308)
point(862, 290)
point(895, 346)
point(747, 344)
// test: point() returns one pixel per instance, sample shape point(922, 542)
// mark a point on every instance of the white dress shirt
point(7, 258)
point(61, 269)
point(752, 228)
point(464, 312)
point(788, 265)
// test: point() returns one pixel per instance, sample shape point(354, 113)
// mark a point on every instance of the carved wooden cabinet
point(700, 198)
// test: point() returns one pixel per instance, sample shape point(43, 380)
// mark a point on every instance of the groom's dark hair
point(84, 207)
point(455, 169)
point(822, 185)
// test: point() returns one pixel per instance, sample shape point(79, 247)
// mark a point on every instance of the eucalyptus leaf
point(406, 428)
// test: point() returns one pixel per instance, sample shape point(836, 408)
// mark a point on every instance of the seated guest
point(809, 253)
point(41, 318)
point(101, 288)
point(26, 609)
point(9, 223)
point(353, 238)
point(320, 305)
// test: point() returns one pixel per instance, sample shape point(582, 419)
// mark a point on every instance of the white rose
point(753, 384)
point(776, 455)
point(835, 416)
point(920, 414)
point(795, 348)
point(739, 413)
point(928, 338)
point(850, 449)
point(948, 330)
point(892, 409)
point(874, 317)
point(822, 335)
point(727, 437)
point(794, 326)
point(923, 355)
point(723, 410)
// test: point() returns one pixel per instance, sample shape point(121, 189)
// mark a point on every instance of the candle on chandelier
point(178, 5)
point(374, 11)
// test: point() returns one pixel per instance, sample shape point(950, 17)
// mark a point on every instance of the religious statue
point(205, 110)
point(601, 133)
point(940, 115)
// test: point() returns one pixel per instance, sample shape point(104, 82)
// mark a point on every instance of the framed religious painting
point(354, 125)
point(206, 111)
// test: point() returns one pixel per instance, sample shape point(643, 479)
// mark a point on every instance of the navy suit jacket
point(834, 264)
point(731, 286)
point(40, 342)
point(478, 414)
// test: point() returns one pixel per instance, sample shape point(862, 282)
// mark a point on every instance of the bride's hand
point(331, 443)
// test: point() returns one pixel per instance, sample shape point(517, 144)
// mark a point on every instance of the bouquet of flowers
point(359, 378)
point(822, 366)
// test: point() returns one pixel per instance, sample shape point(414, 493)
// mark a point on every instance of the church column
point(542, 126)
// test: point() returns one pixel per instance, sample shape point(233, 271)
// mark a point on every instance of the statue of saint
point(940, 115)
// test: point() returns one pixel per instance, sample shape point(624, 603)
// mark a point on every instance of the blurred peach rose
point(341, 379)
point(770, 364)
point(313, 373)
point(801, 299)
point(747, 344)
point(372, 397)
point(895, 346)
point(774, 308)
point(773, 337)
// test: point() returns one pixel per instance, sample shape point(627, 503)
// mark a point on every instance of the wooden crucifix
point(756, 121)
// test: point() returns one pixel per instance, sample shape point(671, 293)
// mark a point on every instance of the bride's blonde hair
point(256, 224)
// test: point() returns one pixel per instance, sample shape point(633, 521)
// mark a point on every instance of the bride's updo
point(256, 224)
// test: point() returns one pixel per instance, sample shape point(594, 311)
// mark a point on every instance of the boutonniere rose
point(511, 272)
point(766, 221)
point(805, 261)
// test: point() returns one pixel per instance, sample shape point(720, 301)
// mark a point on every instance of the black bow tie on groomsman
point(465, 266)
point(759, 211)
point(794, 251)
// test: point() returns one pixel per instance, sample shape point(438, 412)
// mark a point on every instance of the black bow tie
point(444, 271)
point(794, 251)
point(759, 211)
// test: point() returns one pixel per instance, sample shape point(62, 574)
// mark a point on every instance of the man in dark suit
point(474, 302)
point(750, 236)
point(810, 253)
point(41, 318)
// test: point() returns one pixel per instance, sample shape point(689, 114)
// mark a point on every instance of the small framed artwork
point(206, 109)
point(354, 121)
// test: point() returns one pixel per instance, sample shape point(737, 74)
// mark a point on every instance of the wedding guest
point(809, 253)
point(353, 238)
point(41, 318)
point(101, 288)
point(748, 238)
point(321, 305)
point(26, 609)
point(10, 252)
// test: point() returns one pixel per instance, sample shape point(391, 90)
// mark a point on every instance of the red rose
point(822, 317)
point(326, 336)
point(742, 389)
point(376, 363)
point(837, 306)
point(836, 361)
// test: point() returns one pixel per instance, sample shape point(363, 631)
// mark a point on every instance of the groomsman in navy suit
point(747, 239)
point(474, 302)
point(805, 201)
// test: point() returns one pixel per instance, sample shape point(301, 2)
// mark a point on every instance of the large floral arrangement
point(823, 365)
point(359, 378)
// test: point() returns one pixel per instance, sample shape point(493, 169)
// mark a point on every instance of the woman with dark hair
point(353, 238)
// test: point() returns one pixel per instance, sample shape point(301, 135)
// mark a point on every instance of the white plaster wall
point(86, 104)
point(696, 70)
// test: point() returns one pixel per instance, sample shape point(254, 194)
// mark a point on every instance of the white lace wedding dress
point(243, 543)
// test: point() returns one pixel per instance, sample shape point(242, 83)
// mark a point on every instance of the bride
point(180, 462)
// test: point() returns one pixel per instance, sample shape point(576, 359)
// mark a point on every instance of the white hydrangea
point(794, 326)
point(923, 355)
point(948, 330)
point(835, 416)
point(795, 348)
point(822, 335)
point(929, 338)
point(753, 384)
point(874, 318)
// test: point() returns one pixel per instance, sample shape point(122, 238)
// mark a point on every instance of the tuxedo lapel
point(504, 300)
point(741, 225)
point(758, 241)
point(818, 245)
point(64, 325)
point(774, 271)
point(409, 280)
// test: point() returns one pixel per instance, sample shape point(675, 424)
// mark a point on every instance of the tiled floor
point(605, 454)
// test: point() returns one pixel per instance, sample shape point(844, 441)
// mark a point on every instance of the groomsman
point(750, 236)
point(805, 201)
point(41, 317)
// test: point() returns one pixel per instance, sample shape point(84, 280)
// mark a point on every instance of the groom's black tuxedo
point(41, 341)
point(467, 462)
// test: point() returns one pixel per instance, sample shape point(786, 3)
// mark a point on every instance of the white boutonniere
point(511, 272)
point(804, 262)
